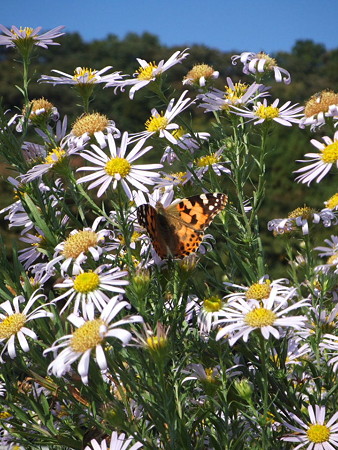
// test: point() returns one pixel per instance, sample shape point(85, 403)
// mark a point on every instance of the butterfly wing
point(178, 230)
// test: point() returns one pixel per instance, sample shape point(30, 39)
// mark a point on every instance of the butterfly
point(177, 231)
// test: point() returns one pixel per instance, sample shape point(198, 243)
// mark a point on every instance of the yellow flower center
point(5, 415)
point(332, 202)
point(267, 112)
point(330, 153)
point(156, 123)
point(270, 62)
point(119, 166)
point(55, 156)
point(318, 433)
point(78, 243)
point(156, 343)
point(212, 304)
point(38, 104)
point(198, 71)
point(207, 160)
point(177, 177)
point(258, 291)
point(134, 237)
point(86, 282)
point(260, 317)
point(27, 30)
point(210, 378)
point(333, 259)
point(146, 73)
point(11, 325)
point(87, 336)
point(90, 123)
point(178, 133)
point(81, 73)
point(304, 213)
point(235, 94)
point(320, 102)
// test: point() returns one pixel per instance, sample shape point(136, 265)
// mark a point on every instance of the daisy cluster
point(105, 342)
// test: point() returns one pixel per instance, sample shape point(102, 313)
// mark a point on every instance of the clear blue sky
point(243, 25)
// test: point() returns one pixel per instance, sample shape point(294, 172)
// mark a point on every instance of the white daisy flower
point(266, 315)
point(261, 63)
point(321, 163)
point(234, 94)
point(117, 442)
point(91, 287)
point(29, 255)
point(161, 123)
point(209, 313)
point(148, 72)
point(213, 162)
point(90, 336)
point(82, 76)
point(320, 108)
point(185, 141)
point(15, 36)
point(315, 431)
point(118, 167)
point(330, 344)
point(332, 248)
point(285, 115)
point(78, 246)
point(13, 322)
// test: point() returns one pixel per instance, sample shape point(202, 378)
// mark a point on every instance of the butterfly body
point(177, 231)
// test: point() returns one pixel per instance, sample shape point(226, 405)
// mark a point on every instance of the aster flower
point(16, 37)
point(300, 217)
point(213, 162)
point(41, 111)
point(118, 167)
point(315, 431)
point(89, 287)
point(200, 75)
point(261, 63)
point(117, 442)
point(161, 123)
point(267, 315)
point(234, 94)
point(13, 322)
point(319, 108)
point(261, 112)
point(330, 344)
point(148, 72)
point(209, 313)
point(30, 254)
point(90, 336)
point(81, 76)
point(332, 202)
point(78, 246)
point(321, 163)
point(185, 141)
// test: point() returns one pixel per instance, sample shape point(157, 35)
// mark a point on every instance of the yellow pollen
point(27, 30)
point(55, 156)
point(329, 154)
point(260, 317)
point(5, 415)
point(119, 166)
point(146, 73)
point(207, 160)
point(178, 133)
point(11, 325)
point(156, 123)
point(333, 259)
point(198, 71)
point(177, 177)
point(304, 213)
point(318, 433)
point(156, 342)
point(267, 112)
point(89, 74)
point(86, 282)
point(235, 94)
point(90, 123)
point(87, 336)
point(270, 62)
point(212, 304)
point(332, 202)
point(320, 102)
point(258, 291)
point(79, 242)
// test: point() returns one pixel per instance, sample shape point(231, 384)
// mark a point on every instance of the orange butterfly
point(178, 230)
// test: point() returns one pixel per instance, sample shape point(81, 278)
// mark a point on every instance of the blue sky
point(242, 25)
